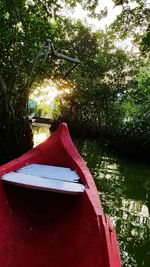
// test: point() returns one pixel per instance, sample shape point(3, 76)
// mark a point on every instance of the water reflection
point(124, 188)
point(40, 133)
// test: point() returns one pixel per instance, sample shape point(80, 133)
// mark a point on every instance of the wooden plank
point(39, 183)
point(50, 172)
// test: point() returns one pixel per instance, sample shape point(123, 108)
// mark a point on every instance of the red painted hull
point(45, 229)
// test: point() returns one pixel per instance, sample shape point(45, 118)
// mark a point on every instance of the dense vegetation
point(112, 104)
point(109, 91)
point(110, 99)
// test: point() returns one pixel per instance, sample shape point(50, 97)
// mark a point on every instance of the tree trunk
point(15, 132)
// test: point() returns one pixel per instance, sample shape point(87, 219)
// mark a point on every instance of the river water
point(124, 188)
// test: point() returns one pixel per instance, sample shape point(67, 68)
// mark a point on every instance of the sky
point(95, 24)
point(113, 11)
point(79, 13)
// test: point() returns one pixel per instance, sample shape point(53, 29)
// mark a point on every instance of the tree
point(134, 22)
point(98, 80)
point(25, 27)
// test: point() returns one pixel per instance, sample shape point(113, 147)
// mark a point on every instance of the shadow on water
point(124, 188)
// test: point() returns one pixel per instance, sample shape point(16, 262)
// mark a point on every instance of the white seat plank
point(39, 183)
point(50, 172)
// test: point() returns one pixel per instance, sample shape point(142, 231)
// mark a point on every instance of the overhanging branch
point(59, 55)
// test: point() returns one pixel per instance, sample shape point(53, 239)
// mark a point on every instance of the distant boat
point(50, 211)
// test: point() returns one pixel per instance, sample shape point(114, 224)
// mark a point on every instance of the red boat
point(50, 211)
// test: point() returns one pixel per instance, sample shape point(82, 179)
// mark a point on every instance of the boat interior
point(46, 229)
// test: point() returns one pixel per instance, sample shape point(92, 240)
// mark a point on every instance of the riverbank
point(123, 143)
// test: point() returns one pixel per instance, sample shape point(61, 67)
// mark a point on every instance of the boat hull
point(46, 229)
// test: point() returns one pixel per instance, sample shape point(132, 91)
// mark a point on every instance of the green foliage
point(134, 22)
point(25, 26)
point(98, 80)
point(145, 42)
point(44, 111)
point(134, 130)
point(110, 96)
point(87, 4)
point(143, 79)
point(24, 29)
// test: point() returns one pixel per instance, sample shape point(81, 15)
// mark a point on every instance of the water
point(40, 132)
point(124, 188)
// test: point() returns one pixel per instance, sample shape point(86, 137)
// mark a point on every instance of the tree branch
point(59, 55)
point(69, 71)
point(47, 9)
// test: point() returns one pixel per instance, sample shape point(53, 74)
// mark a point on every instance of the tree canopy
point(134, 22)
